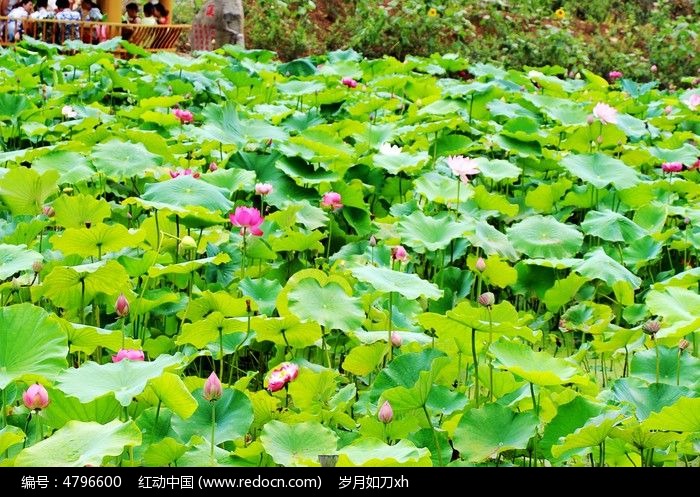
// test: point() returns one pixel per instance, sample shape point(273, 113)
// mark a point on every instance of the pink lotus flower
point(213, 167)
point(696, 165)
point(185, 116)
point(184, 172)
point(212, 388)
point(35, 397)
point(605, 113)
point(331, 200)
point(389, 149)
point(130, 354)
point(614, 75)
point(248, 219)
point(68, 112)
point(349, 82)
point(480, 265)
point(276, 381)
point(121, 306)
point(290, 370)
point(396, 339)
point(463, 166)
point(263, 188)
point(693, 101)
point(399, 253)
point(672, 167)
point(386, 413)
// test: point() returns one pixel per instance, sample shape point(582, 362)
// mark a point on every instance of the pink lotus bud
point(487, 299)
point(48, 211)
point(212, 388)
point(668, 109)
point(174, 174)
point(130, 354)
point(213, 167)
point(399, 253)
point(480, 265)
point(185, 116)
point(696, 165)
point(672, 167)
point(683, 344)
point(613, 75)
point(248, 219)
point(349, 82)
point(331, 200)
point(276, 381)
point(396, 339)
point(386, 413)
point(590, 119)
point(263, 188)
point(653, 68)
point(35, 397)
point(121, 306)
point(372, 241)
point(651, 327)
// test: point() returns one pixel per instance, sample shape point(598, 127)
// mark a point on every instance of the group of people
point(20, 13)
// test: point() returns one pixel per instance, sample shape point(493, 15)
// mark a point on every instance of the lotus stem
point(435, 437)
point(476, 369)
point(213, 431)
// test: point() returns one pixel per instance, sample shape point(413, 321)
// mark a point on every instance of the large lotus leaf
point(203, 331)
point(684, 415)
point(80, 210)
point(429, 233)
point(611, 226)
point(569, 418)
point(84, 338)
point(64, 283)
point(24, 190)
point(683, 279)
point(125, 379)
point(647, 399)
point(372, 452)
point(185, 191)
point(498, 169)
point(590, 435)
point(16, 258)
point(71, 166)
point(233, 417)
point(544, 236)
point(230, 180)
point(12, 105)
point(32, 345)
point(641, 437)
point(687, 154)
point(439, 188)
point(597, 264)
point(163, 453)
point(298, 444)
point(404, 371)
point(563, 291)
point(96, 240)
point(188, 266)
point(286, 330)
point(9, 436)
point(65, 409)
point(174, 395)
point(223, 125)
point(329, 305)
point(643, 365)
point(122, 160)
point(486, 432)
point(679, 308)
point(263, 291)
point(600, 170)
point(364, 359)
point(539, 368)
point(393, 164)
point(387, 280)
point(492, 241)
point(80, 444)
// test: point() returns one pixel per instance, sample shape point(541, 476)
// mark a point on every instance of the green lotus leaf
point(185, 191)
point(223, 125)
point(9, 436)
point(63, 285)
point(80, 210)
point(683, 279)
point(164, 453)
point(11, 106)
point(643, 366)
point(329, 305)
point(364, 359)
point(371, 452)
point(24, 190)
point(80, 444)
point(295, 241)
point(484, 433)
point(84, 338)
point(123, 160)
point(206, 330)
point(65, 409)
point(679, 308)
point(230, 180)
point(404, 371)
point(563, 291)
point(497, 169)
point(42, 356)
point(597, 264)
point(387, 280)
point(72, 167)
point(590, 435)
point(404, 161)
point(125, 379)
point(684, 416)
point(539, 368)
point(492, 241)
point(297, 444)
point(647, 399)
point(277, 330)
point(642, 252)
point(263, 291)
point(429, 233)
point(611, 226)
point(313, 392)
point(173, 393)
point(188, 266)
point(687, 154)
point(369, 337)
point(97, 240)
point(641, 437)
point(600, 170)
point(570, 417)
point(544, 236)
point(15, 259)
point(439, 188)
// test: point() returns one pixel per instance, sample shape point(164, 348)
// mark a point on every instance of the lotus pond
point(226, 260)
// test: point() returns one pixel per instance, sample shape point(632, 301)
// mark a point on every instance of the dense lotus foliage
point(225, 260)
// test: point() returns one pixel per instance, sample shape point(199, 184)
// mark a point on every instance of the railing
point(152, 38)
